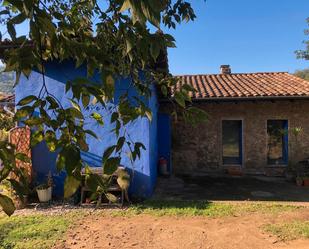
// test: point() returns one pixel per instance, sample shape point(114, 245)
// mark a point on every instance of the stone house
point(258, 124)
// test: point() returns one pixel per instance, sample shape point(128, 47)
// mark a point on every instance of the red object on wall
point(306, 182)
point(163, 166)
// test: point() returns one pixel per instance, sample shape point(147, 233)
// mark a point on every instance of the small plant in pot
point(45, 190)
point(299, 181)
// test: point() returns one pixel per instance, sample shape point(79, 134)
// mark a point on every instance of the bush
point(6, 122)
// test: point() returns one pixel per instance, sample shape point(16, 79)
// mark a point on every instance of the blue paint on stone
point(143, 171)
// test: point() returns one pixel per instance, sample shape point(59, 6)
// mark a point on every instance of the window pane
point(231, 141)
point(277, 141)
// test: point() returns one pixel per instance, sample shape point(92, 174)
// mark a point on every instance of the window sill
point(276, 166)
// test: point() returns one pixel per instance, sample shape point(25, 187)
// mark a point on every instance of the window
point(232, 141)
point(277, 140)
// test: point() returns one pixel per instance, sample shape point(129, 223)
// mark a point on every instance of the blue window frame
point(232, 142)
point(277, 141)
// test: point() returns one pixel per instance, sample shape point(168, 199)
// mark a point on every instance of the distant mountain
point(7, 80)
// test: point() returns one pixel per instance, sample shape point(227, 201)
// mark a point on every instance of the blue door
point(164, 138)
point(277, 136)
point(232, 142)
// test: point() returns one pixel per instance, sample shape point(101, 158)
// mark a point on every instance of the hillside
point(6, 82)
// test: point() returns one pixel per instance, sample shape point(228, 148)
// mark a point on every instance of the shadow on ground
point(230, 188)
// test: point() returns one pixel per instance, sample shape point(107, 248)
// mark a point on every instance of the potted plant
point(44, 190)
point(299, 181)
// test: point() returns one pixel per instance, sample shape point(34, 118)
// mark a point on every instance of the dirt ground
point(145, 231)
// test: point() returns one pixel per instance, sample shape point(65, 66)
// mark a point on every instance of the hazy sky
point(250, 35)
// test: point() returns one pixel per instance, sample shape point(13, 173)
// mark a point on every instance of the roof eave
point(256, 98)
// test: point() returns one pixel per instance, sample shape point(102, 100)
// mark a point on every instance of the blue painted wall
point(143, 171)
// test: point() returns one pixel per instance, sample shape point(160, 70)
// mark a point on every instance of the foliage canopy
point(115, 38)
point(304, 54)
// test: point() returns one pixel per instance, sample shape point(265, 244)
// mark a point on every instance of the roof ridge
point(243, 85)
point(282, 72)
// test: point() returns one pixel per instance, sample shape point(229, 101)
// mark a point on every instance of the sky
point(249, 35)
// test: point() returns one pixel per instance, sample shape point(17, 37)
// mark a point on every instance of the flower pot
point(299, 181)
point(234, 171)
point(306, 182)
point(44, 195)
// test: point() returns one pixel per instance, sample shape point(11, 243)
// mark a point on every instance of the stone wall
point(198, 149)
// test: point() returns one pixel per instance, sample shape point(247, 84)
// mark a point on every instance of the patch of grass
point(33, 231)
point(202, 208)
point(289, 231)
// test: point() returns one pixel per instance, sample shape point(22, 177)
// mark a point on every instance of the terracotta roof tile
point(245, 85)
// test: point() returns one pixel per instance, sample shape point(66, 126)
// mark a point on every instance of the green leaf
point(71, 184)
point(33, 121)
point(129, 44)
point(188, 88)
point(111, 165)
point(137, 151)
point(23, 112)
point(7, 204)
point(140, 145)
point(51, 143)
point(36, 137)
point(75, 104)
point(111, 197)
point(123, 179)
point(149, 115)
point(153, 16)
point(91, 133)
point(19, 189)
point(85, 100)
point(53, 103)
point(108, 152)
point(97, 117)
point(180, 99)
point(155, 49)
point(114, 117)
point(75, 113)
point(82, 144)
point(27, 100)
point(22, 157)
point(93, 181)
point(60, 162)
point(18, 19)
point(164, 90)
point(72, 158)
point(120, 143)
point(11, 30)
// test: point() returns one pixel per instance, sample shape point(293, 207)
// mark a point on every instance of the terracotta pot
point(45, 195)
point(306, 182)
point(234, 172)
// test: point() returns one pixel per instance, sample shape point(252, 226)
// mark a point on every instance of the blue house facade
point(143, 171)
